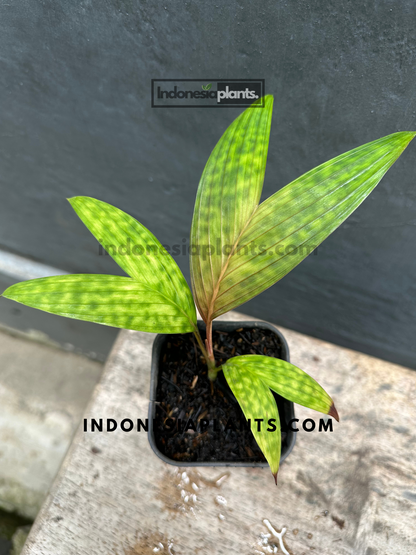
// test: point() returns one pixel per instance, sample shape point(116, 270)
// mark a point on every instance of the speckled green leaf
point(137, 251)
point(257, 402)
point(228, 193)
point(251, 377)
point(287, 380)
point(290, 224)
point(116, 301)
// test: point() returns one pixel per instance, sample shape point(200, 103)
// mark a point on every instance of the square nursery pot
point(213, 445)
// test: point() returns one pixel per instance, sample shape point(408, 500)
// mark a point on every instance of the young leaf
point(157, 299)
point(288, 381)
point(136, 250)
point(290, 224)
point(228, 193)
point(116, 301)
point(251, 377)
point(257, 402)
point(238, 248)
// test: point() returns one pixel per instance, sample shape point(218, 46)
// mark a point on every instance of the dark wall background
point(75, 119)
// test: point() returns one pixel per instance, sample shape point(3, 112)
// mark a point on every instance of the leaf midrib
point(214, 297)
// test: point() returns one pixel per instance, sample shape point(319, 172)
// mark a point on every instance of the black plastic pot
point(286, 408)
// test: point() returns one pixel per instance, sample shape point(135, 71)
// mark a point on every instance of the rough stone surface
point(76, 119)
point(350, 492)
point(43, 392)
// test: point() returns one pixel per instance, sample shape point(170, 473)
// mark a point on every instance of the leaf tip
point(78, 199)
point(333, 412)
point(275, 477)
point(411, 135)
point(4, 294)
point(406, 138)
point(269, 99)
point(72, 201)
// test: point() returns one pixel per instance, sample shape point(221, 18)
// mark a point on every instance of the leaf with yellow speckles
point(155, 299)
point(287, 380)
point(228, 193)
point(136, 250)
point(116, 301)
point(239, 247)
point(251, 377)
point(290, 224)
point(257, 402)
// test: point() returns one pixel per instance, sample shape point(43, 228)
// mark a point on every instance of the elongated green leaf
point(137, 251)
point(116, 301)
point(287, 380)
point(228, 193)
point(257, 402)
point(251, 377)
point(238, 248)
point(290, 224)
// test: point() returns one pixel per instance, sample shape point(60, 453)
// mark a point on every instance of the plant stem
point(207, 350)
point(200, 343)
point(212, 371)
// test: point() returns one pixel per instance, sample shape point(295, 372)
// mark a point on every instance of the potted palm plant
point(239, 247)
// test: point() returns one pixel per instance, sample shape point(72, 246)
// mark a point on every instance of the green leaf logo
point(207, 87)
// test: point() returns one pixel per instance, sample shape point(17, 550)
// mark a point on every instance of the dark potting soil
point(187, 409)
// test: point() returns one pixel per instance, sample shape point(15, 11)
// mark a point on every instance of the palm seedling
point(238, 249)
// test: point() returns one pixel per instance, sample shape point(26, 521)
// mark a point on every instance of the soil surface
point(191, 420)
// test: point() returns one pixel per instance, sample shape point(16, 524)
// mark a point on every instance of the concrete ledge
point(352, 491)
point(43, 394)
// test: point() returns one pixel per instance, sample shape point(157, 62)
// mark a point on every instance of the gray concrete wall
point(75, 119)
